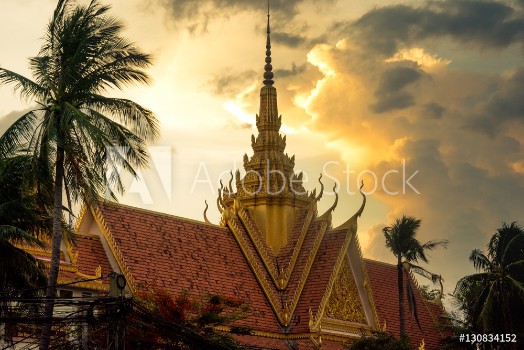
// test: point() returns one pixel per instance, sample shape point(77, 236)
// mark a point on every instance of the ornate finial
point(321, 188)
point(231, 183)
point(205, 213)
point(268, 69)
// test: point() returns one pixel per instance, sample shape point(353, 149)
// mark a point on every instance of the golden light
point(419, 56)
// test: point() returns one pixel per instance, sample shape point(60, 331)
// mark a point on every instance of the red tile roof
point(181, 254)
point(383, 280)
point(91, 254)
point(318, 279)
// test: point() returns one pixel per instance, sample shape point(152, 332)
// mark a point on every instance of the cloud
point(479, 23)
point(433, 110)
point(503, 106)
point(198, 14)
point(229, 83)
point(295, 40)
point(390, 93)
point(295, 70)
point(387, 92)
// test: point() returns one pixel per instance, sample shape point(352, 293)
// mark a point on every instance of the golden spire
point(270, 190)
point(268, 69)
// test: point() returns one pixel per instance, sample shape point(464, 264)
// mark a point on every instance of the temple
point(306, 282)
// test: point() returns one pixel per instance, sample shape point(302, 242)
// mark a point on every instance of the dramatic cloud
point(390, 93)
point(198, 14)
point(479, 23)
point(445, 143)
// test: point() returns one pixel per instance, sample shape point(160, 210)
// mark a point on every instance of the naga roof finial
point(268, 69)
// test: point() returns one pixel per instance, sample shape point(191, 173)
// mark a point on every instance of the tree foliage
point(401, 240)
point(78, 139)
point(380, 340)
point(187, 314)
point(492, 300)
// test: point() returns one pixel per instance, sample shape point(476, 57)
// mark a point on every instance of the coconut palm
point(401, 240)
point(493, 298)
point(76, 136)
point(22, 222)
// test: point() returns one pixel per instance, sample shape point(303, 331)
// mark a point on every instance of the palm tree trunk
point(55, 251)
point(400, 279)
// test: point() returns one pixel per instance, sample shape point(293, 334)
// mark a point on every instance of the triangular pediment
point(282, 276)
point(344, 302)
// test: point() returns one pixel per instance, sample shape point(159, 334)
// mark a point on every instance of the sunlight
point(419, 56)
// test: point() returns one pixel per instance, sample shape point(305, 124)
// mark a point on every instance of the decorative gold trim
point(367, 285)
point(307, 268)
point(98, 274)
point(35, 251)
point(97, 215)
point(81, 217)
point(331, 324)
point(345, 302)
point(327, 214)
point(298, 247)
point(63, 267)
point(280, 278)
point(284, 313)
point(314, 322)
point(256, 238)
point(92, 285)
point(255, 267)
point(318, 337)
point(205, 213)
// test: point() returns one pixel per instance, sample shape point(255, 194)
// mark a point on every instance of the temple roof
point(178, 254)
point(305, 281)
point(383, 279)
point(85, 262)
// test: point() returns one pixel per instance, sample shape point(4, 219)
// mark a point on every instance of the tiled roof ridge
point(380, 262)
point(153, 212)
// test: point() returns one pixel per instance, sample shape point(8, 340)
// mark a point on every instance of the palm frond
point(18, 134)
point(424, 273)
point(412, 304)
point(27, 88)
point(16, 235)
point(480, 261)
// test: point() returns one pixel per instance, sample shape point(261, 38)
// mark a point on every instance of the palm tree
point(401, 240)
point(77, 137)
point(22, 222)
point(493, 298)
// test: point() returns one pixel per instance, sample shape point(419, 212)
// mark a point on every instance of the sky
point(423, 100)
